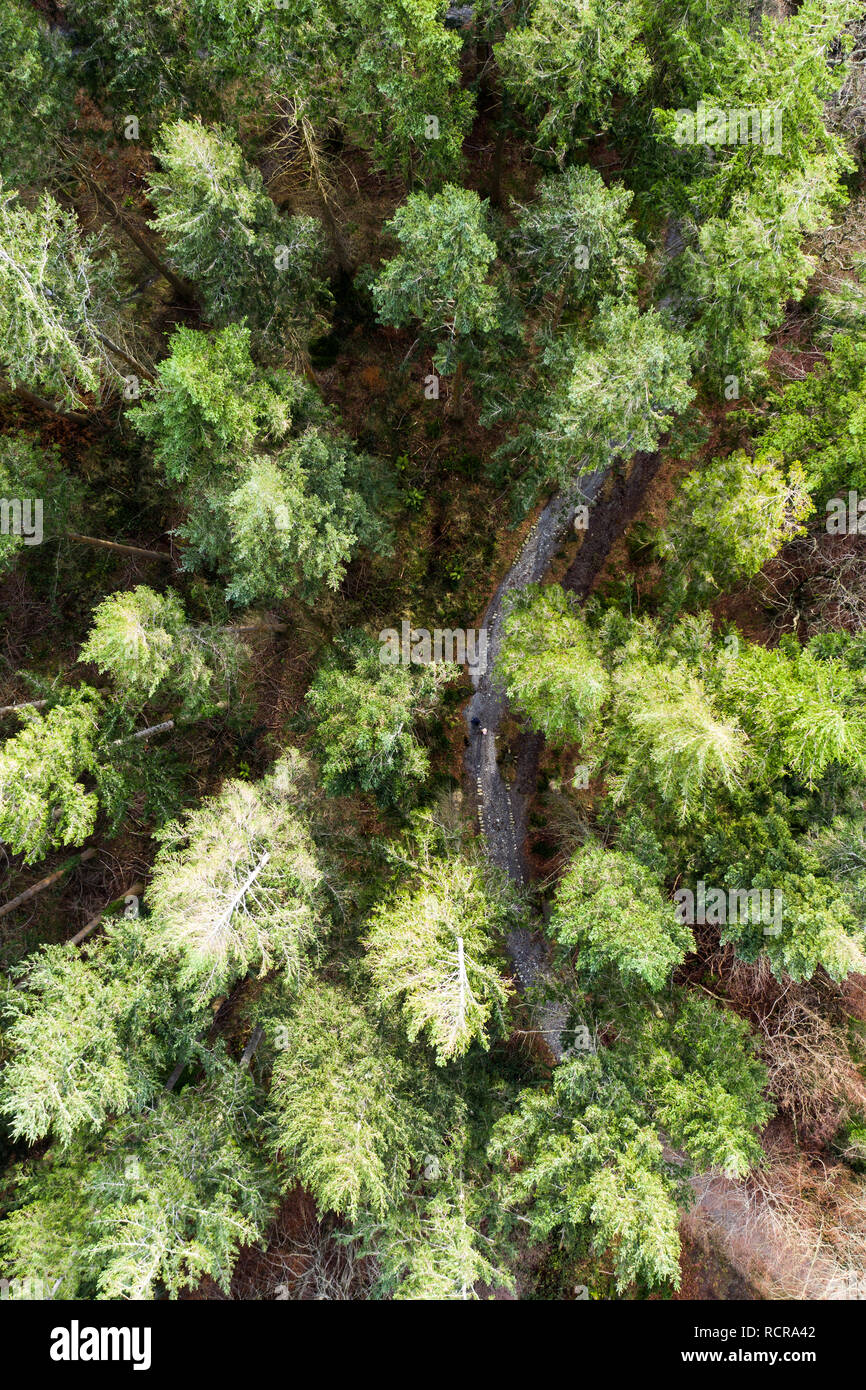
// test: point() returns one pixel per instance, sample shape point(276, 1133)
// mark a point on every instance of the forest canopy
point(433, 660)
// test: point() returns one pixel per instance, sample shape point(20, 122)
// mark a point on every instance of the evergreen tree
point(225, 234)
point(34, 89)
point(143, 641)
point(610, 907)
point(344, 1125)
point(439, 277)
point(674, 739)
point(548, 667)
point(170, 1198)
point(236, 885)
point(277, 498)
point(44, 802)
point(608, 395)
point(92, 1033)
point(726, 522)
point(585, 1159)
point(574, 241)
point(52, 300)
point(32, 476)
point(821, 421)
point(751, 200)
point(431, 951)
point(378, 74)
point(365, 709)
point(570, 61)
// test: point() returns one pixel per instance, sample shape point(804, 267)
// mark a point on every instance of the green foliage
point(673, 739)
point(52, 293)
point(225, 234)
point(610, 395)
point(182, 1189)
point(612, 909)
point(749, 204)
point(143, 641)
point(586, 1153)
point(277, 498)
point(802, 713)
point(433, 1248)
point(377, 72)
point(548, 667)
point(431, 951)
point(92, 1033)
point(569, 63)
point(727, 521)
point(34, 89)
point(169, 1200)
point(574, 240)
point(171, 56)
point(365, 708)
point(344, 1125)
point(821, 421)
point(439, 278)
point(27, 471)
point(44, 802)
point(236, 885)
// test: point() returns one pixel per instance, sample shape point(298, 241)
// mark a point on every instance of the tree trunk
point(135, 890)
point(180, 286)
point(250, 1050)
point(120, 352)
point(344, 260)
point(249, 627)
point(145, 733)
point(34, 400)
point(25, 704)
point(124, 549)
point(46, 882)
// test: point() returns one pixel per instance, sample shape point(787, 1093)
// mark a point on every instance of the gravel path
point(502, 809)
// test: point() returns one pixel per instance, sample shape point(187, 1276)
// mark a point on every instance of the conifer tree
point(753, 197)
point(53, 294)
point(143, 640)
point(225, 234)
point(611, 907)
point(344, 1125)
point(277, 498)
point(44, 802)
point(675, 739)
point(586, 1157)
point(549, 668)
point(92, 1033)
point(169, 1197)
point(439, 278)
point(727, 521)
point(365, 710)
point(32, 476)
point(431, 952)
point(574, 240)
point(568, 63)
point(34, 89)
point(607, 394)
point(236, 885)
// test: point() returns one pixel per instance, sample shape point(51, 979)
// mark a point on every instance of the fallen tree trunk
point(46, 882)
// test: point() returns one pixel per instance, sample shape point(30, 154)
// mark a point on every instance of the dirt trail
point(502, 808)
